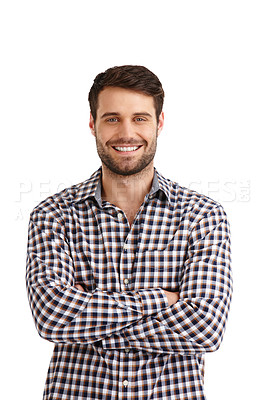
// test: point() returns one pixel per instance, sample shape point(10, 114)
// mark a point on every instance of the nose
point(127, 129)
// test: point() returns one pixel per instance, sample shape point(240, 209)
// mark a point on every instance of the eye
point(140, 119)
point(112, 119)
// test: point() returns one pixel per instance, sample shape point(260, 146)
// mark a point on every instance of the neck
point(126, 191)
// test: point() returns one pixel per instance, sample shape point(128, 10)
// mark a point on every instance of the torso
point(131, 214)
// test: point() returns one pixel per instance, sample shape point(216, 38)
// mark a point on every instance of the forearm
point(196, 323)
point(61, 311)
point(189, 327)
point(65, 314)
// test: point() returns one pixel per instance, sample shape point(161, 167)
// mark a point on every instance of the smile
point(122, 149)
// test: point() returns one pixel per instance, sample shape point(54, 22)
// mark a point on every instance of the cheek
point(148, 131)
point(105, 135)
point(151, 134)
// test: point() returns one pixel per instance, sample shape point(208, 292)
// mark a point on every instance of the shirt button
point(151, 196)
point(125, 383)
point(120, 216)
point(125, 246)
point(126, 281)
point(127, 350)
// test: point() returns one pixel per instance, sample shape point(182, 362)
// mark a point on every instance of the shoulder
point(60, 204)
point(190, 203)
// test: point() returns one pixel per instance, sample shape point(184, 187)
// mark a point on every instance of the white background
point(210, 57)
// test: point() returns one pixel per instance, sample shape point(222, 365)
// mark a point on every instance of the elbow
point(212, 327)
point(44, 335)
point(45, 332)
point(212, 340)
point(213, 345)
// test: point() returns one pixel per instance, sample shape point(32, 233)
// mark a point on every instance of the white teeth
point(127, 148)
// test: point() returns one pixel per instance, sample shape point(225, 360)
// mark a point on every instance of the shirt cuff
point(153, 300)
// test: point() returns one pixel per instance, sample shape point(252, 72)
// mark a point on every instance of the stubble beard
point(127, 169)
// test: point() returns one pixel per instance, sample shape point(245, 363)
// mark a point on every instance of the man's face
point(126, 130)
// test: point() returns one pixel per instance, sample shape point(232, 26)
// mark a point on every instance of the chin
point(127, 171)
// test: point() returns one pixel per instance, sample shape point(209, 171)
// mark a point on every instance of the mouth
point(126, 149)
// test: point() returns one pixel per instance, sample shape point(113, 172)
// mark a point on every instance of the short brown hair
point(134, 77)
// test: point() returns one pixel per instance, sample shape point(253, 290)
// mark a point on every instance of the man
point(128, 273)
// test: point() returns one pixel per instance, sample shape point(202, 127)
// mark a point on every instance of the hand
point(79, 287)
point(172, 297)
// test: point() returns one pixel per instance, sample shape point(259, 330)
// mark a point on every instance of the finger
point(79, 287)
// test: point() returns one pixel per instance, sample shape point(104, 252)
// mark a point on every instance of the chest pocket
point(160, 267)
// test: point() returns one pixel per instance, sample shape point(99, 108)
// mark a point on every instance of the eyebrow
point(110, 114)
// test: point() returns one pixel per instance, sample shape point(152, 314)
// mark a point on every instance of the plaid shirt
point(119, 339)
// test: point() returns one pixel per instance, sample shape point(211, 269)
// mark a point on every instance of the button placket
point(125, 382)
point(120, 216)
point(126, 262)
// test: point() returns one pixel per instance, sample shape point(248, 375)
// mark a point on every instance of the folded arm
point(195, 323)
point(64, 313)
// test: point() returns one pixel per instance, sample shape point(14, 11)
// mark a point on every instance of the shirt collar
point(165, 185)
point(92, 187)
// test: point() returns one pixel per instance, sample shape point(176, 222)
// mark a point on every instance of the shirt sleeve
point(196, 323)
point(64, 314)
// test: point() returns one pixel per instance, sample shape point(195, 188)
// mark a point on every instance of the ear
point(91, 125)
point(160, 123)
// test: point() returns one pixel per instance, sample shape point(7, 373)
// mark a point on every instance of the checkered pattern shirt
point(119, 338)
